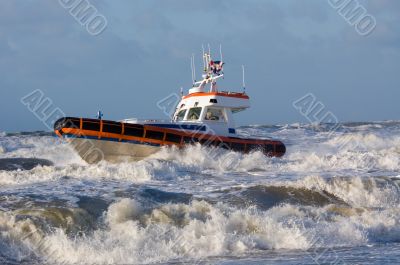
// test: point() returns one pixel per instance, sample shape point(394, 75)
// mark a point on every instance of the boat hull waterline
point(95, 139)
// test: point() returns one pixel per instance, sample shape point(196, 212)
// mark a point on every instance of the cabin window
point(214, 114)
point(112, 128)
point(133, 131)
point(170, 137)
point(93, 126)
point(213, 100)
point(180, 115)
point(154, 135)
point(194, 114)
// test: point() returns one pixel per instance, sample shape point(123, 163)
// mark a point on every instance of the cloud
point(289, 48)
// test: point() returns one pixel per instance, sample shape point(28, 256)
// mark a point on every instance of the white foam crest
point(123, 211)
point(132, 172)
point(131, 234)
point(325, 159)
point(364, 142)
point(136, 172)
point(342, 152)
point(356, 191)
point(46, 147)
point(18, 238)
point(338, 152)
point(193, 231)
point(38, 174)
point(200, 158)
point(299, 160)
point(366, 127)
point(382, 226)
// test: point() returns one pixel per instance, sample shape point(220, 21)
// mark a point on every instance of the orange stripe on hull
point(159, 136)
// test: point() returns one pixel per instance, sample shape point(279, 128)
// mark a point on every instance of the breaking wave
point(331, 189)
point(130, 231)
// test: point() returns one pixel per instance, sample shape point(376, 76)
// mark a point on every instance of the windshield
point(194, 114)
point(214, 114)
point(180, 115)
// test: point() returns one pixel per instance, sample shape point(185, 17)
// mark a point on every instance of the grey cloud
point(289, 48)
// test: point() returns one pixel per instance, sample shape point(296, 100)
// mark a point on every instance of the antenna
point(191, 66)
point(181, 91)
point(244, 84)
point(208, 58)
point(220, 51)
point(194, 69)
point(204, 62)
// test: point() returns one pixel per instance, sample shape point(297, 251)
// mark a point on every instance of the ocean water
point(332, 199)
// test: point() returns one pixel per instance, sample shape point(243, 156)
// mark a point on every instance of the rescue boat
point(203, 116)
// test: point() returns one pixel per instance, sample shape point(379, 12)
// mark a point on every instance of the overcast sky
point(289, 47)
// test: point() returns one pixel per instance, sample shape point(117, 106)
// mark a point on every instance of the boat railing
point(134, 120)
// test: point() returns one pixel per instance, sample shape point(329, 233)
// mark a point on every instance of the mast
point(220, 52)
point(204, 60)
point(212, 70)
point(191, 67)
point(194, 68)
point(244, 85)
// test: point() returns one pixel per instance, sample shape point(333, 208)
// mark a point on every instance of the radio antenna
point(244, 84)
point(204, 59)
point(191, 67)
point(220, 51)
point(194, 68)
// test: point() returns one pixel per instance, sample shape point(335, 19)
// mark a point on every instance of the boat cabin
point(205, 104)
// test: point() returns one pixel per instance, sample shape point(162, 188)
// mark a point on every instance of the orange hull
point(160, 136)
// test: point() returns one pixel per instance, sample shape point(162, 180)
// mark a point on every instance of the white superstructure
point(205, 108)
point(205, 104)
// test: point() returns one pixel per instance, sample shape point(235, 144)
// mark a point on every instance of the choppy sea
point(332, 199)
